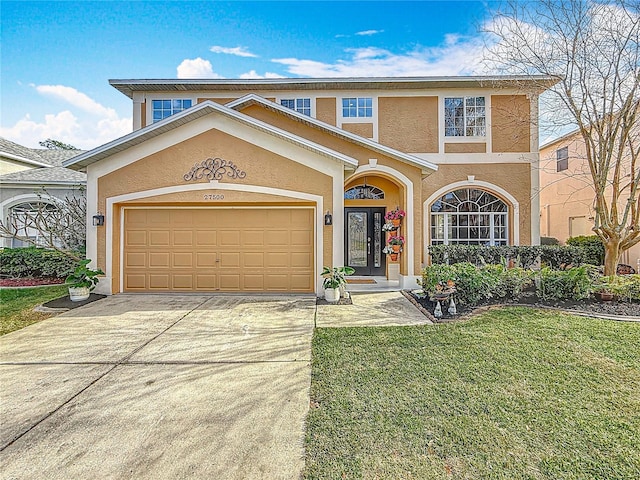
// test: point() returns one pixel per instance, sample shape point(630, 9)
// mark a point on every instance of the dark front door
point(364, 240)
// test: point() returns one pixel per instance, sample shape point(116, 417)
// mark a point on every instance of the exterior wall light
point(328, 219)
point(98, 220)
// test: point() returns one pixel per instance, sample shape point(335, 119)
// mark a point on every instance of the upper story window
point(464, 117)
point(300, 105)
point(165, 108)
point(562, 159)
point(357, 107)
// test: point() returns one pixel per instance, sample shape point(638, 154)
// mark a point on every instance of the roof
point(47, 175)
point(532, 82)
point(41, 157)
point(253, 99)
point(200, 110)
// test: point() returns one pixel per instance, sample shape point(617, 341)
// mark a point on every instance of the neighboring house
point(32, 175)
point(567, 193)
point(254, 185)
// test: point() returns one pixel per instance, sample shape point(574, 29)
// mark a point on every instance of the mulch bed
point(66, 303)
point(589, 305)
point(29, 282)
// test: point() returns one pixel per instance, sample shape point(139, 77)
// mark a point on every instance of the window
point(357, 107)
point(165, 108)
point(562, 159)
point(25, 218)
point(364, 192)
point(469, 216)
point(300, 105)
point(464, 117)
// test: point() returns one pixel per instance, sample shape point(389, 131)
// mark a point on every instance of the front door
point(364, 240)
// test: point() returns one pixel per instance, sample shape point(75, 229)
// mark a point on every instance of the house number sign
point(214, 169)
point(212, 196)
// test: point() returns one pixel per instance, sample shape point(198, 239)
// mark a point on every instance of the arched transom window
point(469, 216)
point(367, 192)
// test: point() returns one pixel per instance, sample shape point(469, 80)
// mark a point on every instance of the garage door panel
point(158, 259)
point(219, 249)
point(159, 238)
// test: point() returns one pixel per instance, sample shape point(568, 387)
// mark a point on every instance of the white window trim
point(441, 116)
point(164, 96)
point(295, 96)
point(373, 119)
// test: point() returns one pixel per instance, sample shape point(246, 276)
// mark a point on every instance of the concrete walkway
point(159, 387)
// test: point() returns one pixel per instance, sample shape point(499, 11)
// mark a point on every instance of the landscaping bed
point(29, 282)
point(588, 305)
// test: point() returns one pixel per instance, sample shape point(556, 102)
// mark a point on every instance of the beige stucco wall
point(510, 123)
point(475, 147)
point(363, 129)
point(409, 124)
point(514, 178)
point(167, 168)
point(326, 110)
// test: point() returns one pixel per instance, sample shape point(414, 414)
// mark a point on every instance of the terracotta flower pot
point(394, 257)
point(396, 222)
point(396, 248)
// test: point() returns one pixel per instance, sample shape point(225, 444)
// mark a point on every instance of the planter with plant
point(334, 279)
point(82, 281)
point(395, 216)
point(396, 242)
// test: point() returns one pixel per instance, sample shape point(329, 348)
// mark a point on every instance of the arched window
point(367, 192)
point(27, 220)
point(469, 216)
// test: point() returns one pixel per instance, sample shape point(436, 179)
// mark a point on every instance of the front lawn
point(511, 394)
point(16, 306)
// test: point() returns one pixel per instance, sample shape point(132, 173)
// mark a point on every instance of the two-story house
point(254, 185)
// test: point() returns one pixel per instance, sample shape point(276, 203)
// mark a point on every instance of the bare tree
point(50, 222)
point(594, 50)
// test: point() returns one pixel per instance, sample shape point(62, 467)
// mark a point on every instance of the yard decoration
point(396, 241)
point(395, 216)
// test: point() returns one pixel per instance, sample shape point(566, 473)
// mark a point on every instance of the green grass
point(512, 394)
point(16, 306)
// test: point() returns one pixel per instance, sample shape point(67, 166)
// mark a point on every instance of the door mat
point(360, 281)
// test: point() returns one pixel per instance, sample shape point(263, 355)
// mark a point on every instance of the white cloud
point(76, 128)
point(457, 56)
point(253, 74)
point(77, 99)
point(238, 51)
point(367, 33)
point(196, 68)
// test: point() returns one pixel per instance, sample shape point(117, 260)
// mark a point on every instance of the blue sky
point(57, 57)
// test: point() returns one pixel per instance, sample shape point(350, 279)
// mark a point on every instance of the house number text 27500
point(210, 196)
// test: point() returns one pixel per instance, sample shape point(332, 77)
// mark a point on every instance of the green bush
point(35, 262)
point(573, 283)
point(624, 287)
point(508, 283)
point(549, 241)
point(591, 246)
point(526, 256)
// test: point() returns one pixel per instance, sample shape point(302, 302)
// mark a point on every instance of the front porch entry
point(364, 240)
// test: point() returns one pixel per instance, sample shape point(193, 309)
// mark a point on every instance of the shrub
point(510, 282)
point(526, 256)
point(549, 241)
point(35, 262)
point(573, 283)
point(591, 247)
point(472, 285)
point(625, 288)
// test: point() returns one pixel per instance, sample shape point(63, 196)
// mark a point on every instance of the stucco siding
point(510, 123)
point(475, 147)
point(363, 129)
point(409, 124)
point(326, 110)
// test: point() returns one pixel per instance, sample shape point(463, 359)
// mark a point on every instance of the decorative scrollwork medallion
point(214, 169)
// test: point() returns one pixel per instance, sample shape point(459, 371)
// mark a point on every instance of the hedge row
point(35, 262)
point(495, 283)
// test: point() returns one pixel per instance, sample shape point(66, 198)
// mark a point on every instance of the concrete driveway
point(159, 387)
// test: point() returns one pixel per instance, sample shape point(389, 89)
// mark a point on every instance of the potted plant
point(395, 216)
point(396, 241)
point(334, 278)
point(389, 227)
point(82, 281)
point(389, 251)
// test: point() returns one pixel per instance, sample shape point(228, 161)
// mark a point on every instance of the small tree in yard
point(593, 49)
point(52, 144)
point(60, 224)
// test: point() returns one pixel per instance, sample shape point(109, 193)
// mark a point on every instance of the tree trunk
point(611, 256)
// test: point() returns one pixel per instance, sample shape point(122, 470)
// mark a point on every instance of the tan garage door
point(230, 250)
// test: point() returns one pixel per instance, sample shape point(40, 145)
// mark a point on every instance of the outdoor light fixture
point(98, 220)
point(328, 219)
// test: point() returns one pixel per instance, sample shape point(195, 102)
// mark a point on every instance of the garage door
point(229, 250)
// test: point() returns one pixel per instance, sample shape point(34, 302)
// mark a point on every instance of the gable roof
point(39, 157)
point(253, 99)
point(47, 175)
point(197, 111)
